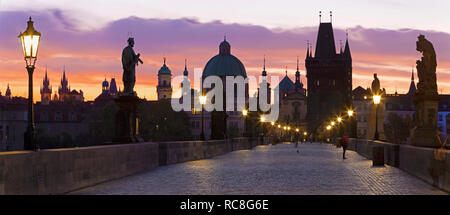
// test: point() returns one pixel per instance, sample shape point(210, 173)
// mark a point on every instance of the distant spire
point(264, 73)
point(297, 63)
point(224, 37)
point(185, 73)
point(320, 16)
point(347, 53)
point(307, 49)
point(264, 62)
point(164, 60)
point(331, 16)
point(412, 86)
point(286, 70)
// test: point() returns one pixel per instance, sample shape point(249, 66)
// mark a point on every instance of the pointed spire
point(307, 49)
point(185, 73)
point(320, 16)
point(331, 16)
point(347, 53)
point(297, 63)
point(286, 70)
point(412, 86)
point(264, 73)
point(164, 60)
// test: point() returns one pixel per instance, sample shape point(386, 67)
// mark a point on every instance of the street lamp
point(245, 113)
point(376, 101)
point(350, 113)
point(202, 102)
point(30, 43)
point(339, 119)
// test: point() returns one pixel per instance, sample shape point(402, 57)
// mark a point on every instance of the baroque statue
point(426, 67)
point(426, 99)
point(129, 62)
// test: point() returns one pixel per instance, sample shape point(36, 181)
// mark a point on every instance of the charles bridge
point(235, 166)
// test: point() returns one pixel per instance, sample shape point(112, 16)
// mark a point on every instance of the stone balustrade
point(57, 171)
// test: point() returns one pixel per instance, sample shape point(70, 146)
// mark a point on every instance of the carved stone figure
point(426, 98)
point(129, 62)
point(426, 67)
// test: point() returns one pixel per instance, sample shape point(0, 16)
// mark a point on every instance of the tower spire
point(185, 73)
point(264, 63)
point(264, 73)
point(412, 74)
point(297, 63)
point(307, 49)
point(320, 16)
point(331, 16)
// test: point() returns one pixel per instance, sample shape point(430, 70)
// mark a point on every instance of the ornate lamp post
point(376, 101)
point(30, 43)
point(202, 102)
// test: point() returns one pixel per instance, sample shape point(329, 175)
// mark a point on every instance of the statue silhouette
point(129, 62)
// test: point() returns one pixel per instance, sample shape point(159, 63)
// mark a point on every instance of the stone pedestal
point(425, 134)
point(127, 123)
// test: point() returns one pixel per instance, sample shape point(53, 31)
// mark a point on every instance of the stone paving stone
point(272, 169)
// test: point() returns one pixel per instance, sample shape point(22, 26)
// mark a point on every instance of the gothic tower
point(64, 89)
point(46, 90)
point(329, 78)
point(164, 88)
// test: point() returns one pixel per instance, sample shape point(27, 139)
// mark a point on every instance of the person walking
point(344, 146)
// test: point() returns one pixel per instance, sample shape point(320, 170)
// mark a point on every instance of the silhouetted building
point(329, 78)
point(293, 101)
point(222, 65)
point(65, 94)
point(164, 88)
point(46, 90)
point(109, 92)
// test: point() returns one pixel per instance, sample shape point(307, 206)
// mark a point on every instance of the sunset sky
point(87, 37)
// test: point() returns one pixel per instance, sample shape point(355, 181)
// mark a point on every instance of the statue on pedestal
point(426, 98)
point(127, 122)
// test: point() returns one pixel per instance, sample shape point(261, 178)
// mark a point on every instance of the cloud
point(91, 55)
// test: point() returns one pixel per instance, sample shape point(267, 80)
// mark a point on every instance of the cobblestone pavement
point(272, 169)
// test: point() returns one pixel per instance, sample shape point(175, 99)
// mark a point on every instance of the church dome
point(105, 83)
point(224, 64)
point(164, 70)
